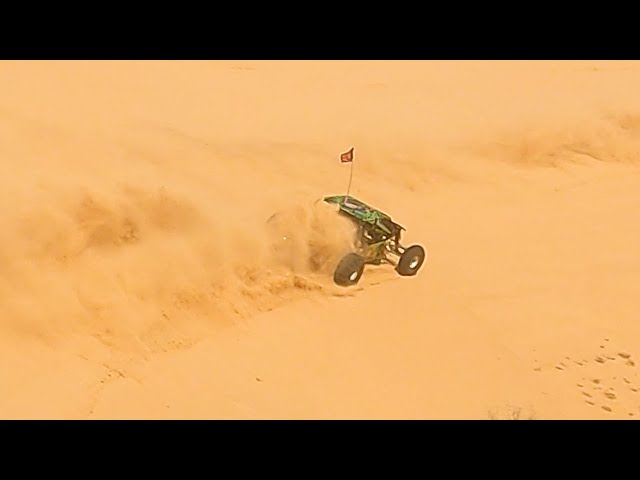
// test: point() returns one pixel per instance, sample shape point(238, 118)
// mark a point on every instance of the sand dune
point(164, 254)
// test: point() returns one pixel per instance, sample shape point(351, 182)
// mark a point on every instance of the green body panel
point(378, 234)
point(362, 212)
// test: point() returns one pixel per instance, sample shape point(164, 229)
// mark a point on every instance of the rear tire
point(349, 270)
point(411, 261)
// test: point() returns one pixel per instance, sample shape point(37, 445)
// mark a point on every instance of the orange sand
point(139, 279)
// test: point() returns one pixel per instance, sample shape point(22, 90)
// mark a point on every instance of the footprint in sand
point(590, 388)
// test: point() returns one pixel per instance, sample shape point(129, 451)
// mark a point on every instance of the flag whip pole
point(350, 178)
point(348, 157)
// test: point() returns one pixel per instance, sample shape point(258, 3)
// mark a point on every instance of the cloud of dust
point(614, 138)
point(130, 265)
point(310, 238)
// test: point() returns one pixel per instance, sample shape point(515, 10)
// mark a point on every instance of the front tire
point(411, 261)
point(349, 270)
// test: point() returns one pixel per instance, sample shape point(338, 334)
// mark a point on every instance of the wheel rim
point(414, 263)
point(353, 276)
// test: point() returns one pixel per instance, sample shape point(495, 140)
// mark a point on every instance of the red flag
point(347, 157)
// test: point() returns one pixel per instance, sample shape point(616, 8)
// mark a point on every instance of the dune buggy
point(377, 242)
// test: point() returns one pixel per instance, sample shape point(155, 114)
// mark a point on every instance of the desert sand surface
point(140, 278)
